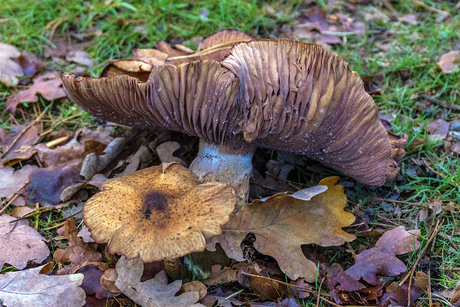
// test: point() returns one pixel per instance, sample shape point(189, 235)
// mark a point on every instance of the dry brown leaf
point(438, 130)
point(29, 63)
point(165, 153)
point(80, 57)
point(30, 288)
point(449, 62)
point(23, 148)
point(454, 295)
point(381, 259)
point(108, 280)
point(398, 294)
point(153, 292)
point(85, 235)
point(224, 275)
point(20, 243)
point(193, 286)
point(220, 298)
point(10, 181)
point(282, 224)
point(47, 85)
point(9, 69)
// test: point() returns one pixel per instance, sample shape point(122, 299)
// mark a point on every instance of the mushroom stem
point(218, 164)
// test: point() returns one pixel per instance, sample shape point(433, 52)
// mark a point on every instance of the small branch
point(440, 103)
point(430, 8)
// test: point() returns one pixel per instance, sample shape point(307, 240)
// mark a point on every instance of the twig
point(282, 282)
point(13, 196)
point(352, 251)
point(398, 201)
point(24, 131)
point(319, 291)
point(9, 203)
point(430, 300)
point(230, 296)
point(37, 205)
point(440, 103)
point(439, 173)
point(430, 8)
point(435, 231)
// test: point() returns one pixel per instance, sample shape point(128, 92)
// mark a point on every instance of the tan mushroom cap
point(304, 99)
point(159, 212)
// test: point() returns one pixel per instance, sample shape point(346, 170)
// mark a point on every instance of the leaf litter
point(277, 256)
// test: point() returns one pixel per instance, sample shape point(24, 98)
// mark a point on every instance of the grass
point(408, 67)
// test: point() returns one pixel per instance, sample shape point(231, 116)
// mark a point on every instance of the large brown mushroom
point(278, 94)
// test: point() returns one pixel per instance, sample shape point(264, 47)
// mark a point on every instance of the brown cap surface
point(159, 212)
point(196, 98)
point(304, 99)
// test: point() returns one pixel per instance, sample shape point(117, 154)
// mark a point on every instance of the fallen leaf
point(165, 153)
point(23, 148)
point(281, 224)
point(20, 243)
point(80, 57)
point(85, 235)
point(193, 286)
point(438, 130)
point(29, 288)
point(410, 18)
point(92, 282)
point(220, 298)
point(29, 63)
point(11, 181)
point(449, 62)
point(224, 275)
point(454, 294)
point(9, 69)
point(398, 294)
point(153, 292)
point(47, 85)
point(381, 259)
point(108, 280)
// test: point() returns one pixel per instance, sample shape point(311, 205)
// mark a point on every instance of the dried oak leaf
point(20, 243)
point(30, 288)
point(438, 130)
point(381, 259)
point(47, 85)
point(9, 69)
point(449, 62)
point(23, 148)
point(153, 292)
point(398, 294)
point(454, 294)
point(283, 223)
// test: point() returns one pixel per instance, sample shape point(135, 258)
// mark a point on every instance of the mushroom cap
point(159, 212)
point(303, 98)
point(278, 94)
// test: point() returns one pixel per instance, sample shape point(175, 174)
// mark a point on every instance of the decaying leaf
point(165, 153)
point(20, 243)
point(381, 260)
point(22, 149)
point(47, 85)
point(224, 275)
point(454, 295)
point(438, 130)
point(282, 224)
point(154, 292)
point(30, 288)
point(80, 57)
point(108, 280)
point(449, 62)
point(9, 69)
point(398, 295)
point(10, 181)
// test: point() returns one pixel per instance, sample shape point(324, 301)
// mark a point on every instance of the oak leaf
point(11, 182)
point(30, 288)
point(154, 292)
point(23, 148)
point(449, 62)
point(283, 223)
point(381, 259)
point(20, 243)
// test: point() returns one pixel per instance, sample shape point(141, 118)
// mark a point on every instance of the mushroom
point(278, 94)
point(164, 204)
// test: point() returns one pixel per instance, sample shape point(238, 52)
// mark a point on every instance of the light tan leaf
point(11, 181)
point(9, 69)
point(449, 62)
point(165, 153)
point(80, 57)
point(154, 292)
point(20, 243)
point(29, 288)
point(282, 224)
point(23, 148)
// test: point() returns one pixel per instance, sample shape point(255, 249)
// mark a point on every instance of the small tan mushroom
point(159, 212)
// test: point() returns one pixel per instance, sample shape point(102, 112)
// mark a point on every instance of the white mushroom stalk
point(213, 164)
